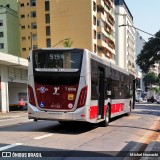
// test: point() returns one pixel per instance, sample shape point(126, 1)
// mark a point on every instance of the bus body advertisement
point(77, 85)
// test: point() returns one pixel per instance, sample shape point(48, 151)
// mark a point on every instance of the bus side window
point(109, 88)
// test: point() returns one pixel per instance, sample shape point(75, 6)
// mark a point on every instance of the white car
point(158, 100)
point(139, 99)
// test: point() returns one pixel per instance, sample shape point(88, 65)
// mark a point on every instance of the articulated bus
point(73, 84)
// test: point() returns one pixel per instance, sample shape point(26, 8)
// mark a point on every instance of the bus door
point(134, 86)
point(101, 89)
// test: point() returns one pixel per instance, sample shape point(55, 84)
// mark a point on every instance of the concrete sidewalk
point(13, 114)
point(153, 146)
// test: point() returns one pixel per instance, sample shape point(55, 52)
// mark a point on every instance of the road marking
point(10, 146)
point(44, 136)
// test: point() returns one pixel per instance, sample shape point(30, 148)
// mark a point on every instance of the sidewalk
point(153, 146)
point(13, 114)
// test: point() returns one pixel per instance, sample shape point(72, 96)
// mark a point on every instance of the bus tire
point(107, 118)
point(64, 122)
point(130, 108)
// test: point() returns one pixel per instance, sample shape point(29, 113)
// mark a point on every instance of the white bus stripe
point(10, 146)
point(44, 136)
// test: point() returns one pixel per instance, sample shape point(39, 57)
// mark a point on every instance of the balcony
point(100, 3)
point(100, 15)
point(100, 29)
point(101, 43)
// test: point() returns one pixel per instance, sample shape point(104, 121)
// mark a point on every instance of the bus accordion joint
point(31, 96)
point(82, 97)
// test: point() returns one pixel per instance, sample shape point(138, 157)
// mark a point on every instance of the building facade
point(13, 81)
point(139, 46)
point(88, 24)
point(9, 27)
point(125, 37)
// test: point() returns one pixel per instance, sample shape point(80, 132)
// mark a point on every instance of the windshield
point(57, 60)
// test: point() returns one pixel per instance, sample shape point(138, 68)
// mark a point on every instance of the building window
point(95, 34)
point(35, 46)
point(100, 22)
point(22, 4)
point(32, 3)
point(47, 18)
point(46, 5)
point(23, 38)
point(23, 49)
point(22, 27)
point(1, 34)
point(1, 23)
point(48, 42)
point(48, 32)
point(34, 25)
point(1, 45)
point(94, 6)
point(27, 4)
point(33, 14)
point(95, 48)
point(94, 20)
point(22, 16)
point(34, 37)
point(8, 6)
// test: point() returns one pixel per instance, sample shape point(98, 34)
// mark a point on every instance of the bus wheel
point(129, 113)
point(107, 118)
point(64, 122)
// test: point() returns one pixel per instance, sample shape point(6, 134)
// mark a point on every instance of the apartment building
point(9, 32)
point(125, 37)
point(138, 48)
point(86, 23)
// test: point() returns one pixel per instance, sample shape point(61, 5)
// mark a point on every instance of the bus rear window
point(57, 60)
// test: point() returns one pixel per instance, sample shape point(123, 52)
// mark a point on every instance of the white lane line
point(10, 146)
point(44, 136)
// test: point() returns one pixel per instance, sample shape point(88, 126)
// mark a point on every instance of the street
point(125, 133)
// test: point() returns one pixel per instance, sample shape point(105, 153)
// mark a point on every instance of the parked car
point(139, 99)
point(158, 100)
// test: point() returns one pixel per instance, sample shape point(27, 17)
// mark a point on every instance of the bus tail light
point(82, 97)
point(31, 96)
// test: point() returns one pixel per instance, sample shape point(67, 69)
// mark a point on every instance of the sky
point(146, 15)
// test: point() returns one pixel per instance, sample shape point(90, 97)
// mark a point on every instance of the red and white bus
point(77, 85)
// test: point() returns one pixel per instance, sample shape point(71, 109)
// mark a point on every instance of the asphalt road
point(125, 133)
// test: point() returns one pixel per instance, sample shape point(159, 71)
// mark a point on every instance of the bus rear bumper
point(36, 114)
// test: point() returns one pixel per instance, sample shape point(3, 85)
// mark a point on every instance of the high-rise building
point(138, 48)
point(86, 23)
point(125, 37)
point(9, 29)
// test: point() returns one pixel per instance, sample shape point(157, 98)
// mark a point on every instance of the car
point(158, 100)
point(139, 99)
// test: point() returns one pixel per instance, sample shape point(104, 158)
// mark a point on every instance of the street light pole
point(61, 41)
point(139, 30)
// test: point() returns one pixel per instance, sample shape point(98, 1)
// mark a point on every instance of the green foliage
point(150, 79)
point(150, 54)
point(156, 89)
point(67, 43)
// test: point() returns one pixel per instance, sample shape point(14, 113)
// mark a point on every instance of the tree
point(150, 53)
point(150, 79)
point(67, 43)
